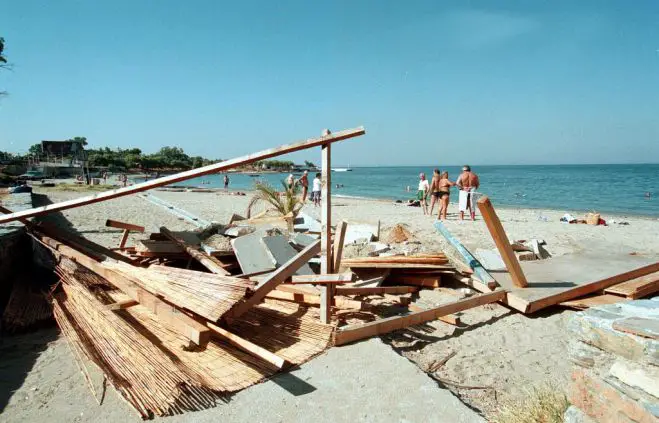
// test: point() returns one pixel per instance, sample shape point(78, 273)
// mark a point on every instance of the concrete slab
point(363, 382)
point(283, 251)
point(252, 254)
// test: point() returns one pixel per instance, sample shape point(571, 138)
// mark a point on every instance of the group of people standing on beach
point(439, 189)
point(303, 181)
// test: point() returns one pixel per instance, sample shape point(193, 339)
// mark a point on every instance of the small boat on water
point(341, 169)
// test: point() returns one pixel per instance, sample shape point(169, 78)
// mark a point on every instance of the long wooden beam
point(344, 303)
point(182, 176)
point(479, 271)
point(247, 346)
point(503, 244)
point(167, 314)
point(276, 278)
point(353, 333)
point(337, 278)
point(326, 263)
point(210, 263)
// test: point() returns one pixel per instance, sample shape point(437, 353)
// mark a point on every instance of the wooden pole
point(503, 244)
point(183, 176)
point(124, 238)
point(326, 264)
point(339, 239)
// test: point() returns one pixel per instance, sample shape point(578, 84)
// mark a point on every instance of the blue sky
point(433, 82)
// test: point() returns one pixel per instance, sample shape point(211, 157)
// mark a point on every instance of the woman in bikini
point(434, 190)
point(444, 194)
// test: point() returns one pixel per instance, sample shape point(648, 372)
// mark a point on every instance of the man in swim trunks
point(434, 190)
point(304, 181)
point(467, 183)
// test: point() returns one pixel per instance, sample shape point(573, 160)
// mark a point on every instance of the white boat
point(341, 169)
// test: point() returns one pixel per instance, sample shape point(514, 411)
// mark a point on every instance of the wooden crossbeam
point(353, 333)
point(344, 303)
point(247, 346)
point(378, 290)
point(123, 225)
point(451, 319)
point(335, 278)
point(182, 176)
point(503, 244)
point(276, 278)
point(209, 262)
point(167, 314)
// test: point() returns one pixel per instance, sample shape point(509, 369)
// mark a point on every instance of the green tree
point(35, 150)
point(83, 140)
point(3, 59)
point(309, 164)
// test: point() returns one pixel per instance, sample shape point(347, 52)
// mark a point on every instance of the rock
point(604, 403)
point(575, 415)
point(645, 378)
point(236, 231)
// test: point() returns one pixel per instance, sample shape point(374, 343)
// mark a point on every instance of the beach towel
point(467, 197)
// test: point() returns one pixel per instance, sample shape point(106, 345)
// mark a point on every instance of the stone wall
point(615, 349)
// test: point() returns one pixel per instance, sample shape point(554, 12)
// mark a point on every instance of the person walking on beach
point(434, 190)
point(444, 194)
point(226, 182)
point(304, 181)
point(290, 181)
point(422, 193)
point(315, 193)
point(467, 183)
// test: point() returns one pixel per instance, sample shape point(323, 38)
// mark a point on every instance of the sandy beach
point(498, 349)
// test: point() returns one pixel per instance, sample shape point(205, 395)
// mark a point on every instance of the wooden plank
point(121, 305)
point(373, 265)
point(396, 260)
point(416, 280)
point(592, 301)
point(479, 271)
point(326, 263)
point(640, 326)
point(182, 176)
point(337, 278)
point(276, 278)
point(579, 291)
point(636, 288)
point(123, 225)
point(167, 314)
point(299, 289)
point(353, 333)
point(378, 290)
point(339, 238)
point(124, 238)
point(501, 240)
point(451, 319)
point(317, 300)
point(247, 346)
point(210, 263)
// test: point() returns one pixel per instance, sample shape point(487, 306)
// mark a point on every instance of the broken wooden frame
point(324, 140)
point(127, 227)
point(209, 262)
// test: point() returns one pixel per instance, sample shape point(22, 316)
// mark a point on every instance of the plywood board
point(592, 301)
point(637, 288)
point(567, 277)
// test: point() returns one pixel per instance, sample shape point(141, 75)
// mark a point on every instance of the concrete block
point(645, 378)
point(604, 403)
point(490, 259)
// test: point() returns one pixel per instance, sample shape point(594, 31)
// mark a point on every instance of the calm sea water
point(605, 188)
